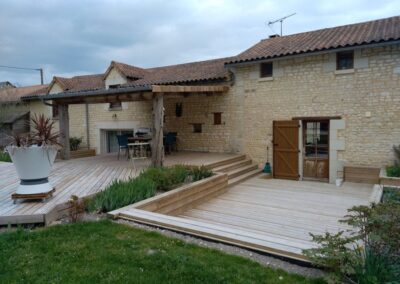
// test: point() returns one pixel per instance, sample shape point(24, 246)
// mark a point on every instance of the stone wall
point(367, 99)
point(201, 109)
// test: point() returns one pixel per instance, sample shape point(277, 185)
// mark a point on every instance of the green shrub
point(167, 178)
point(199, 173)
point(5, 157)
point(74, 143)
point(393, 171)
point(353, 256)
point(391, 194)
point(122, 193)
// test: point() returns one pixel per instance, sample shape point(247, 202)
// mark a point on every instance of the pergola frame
point(155, 93)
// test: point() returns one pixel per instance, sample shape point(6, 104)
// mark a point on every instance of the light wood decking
point(270, 215)
point(81, 177)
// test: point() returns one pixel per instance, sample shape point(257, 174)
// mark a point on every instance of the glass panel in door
point(316, 149)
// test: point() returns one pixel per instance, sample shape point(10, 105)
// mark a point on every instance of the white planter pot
point(33, 165)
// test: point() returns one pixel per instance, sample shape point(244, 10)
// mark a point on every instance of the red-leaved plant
point(42, 134)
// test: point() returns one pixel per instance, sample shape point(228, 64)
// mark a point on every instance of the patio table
point(142, 151)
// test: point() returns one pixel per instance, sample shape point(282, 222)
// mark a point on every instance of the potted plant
point(33, 156)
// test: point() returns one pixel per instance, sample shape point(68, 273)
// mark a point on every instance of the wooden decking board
point(277, 245)
point(274, 216)
point(81, 177)
point(284, 217)
point(301, 234)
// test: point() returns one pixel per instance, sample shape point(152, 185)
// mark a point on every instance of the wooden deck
point(81, 177)
point(269, 215)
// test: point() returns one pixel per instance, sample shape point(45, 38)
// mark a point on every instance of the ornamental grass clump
point(122, 193)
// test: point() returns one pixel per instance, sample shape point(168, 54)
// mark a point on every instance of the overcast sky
point(69, 38)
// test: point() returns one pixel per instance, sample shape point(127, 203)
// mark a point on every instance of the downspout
point(87, 125)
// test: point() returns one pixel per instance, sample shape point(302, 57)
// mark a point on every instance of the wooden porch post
point(64, 130)
point(157, 149)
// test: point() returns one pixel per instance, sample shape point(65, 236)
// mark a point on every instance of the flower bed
point(123, 193)
point(387, 180)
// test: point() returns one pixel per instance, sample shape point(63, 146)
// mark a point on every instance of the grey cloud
point(79, 37)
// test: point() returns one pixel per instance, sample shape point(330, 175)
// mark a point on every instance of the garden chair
point(123, 145)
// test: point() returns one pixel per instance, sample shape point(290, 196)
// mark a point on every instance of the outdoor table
point(139, 139)
point(142, 153)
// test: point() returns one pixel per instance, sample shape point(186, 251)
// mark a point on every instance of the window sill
point(344, 71)
point(115, 109)
point(266, 79)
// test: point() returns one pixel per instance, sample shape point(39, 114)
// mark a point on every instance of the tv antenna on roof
point(280, 20)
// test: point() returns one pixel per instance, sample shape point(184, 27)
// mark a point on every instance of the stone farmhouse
point(309, 103)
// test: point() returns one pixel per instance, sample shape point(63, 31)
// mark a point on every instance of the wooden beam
point(64, 130)
point(188, 89)
point(157, 149)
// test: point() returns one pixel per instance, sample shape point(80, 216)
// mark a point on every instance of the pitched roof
point(382, 30)
point(12, 95)
point(78, 83)
point(184, 73)
point(129, 71)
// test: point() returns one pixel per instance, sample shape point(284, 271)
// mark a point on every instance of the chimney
point(274, 35)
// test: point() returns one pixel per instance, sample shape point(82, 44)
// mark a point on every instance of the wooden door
point(286, 149)
point(316, 150)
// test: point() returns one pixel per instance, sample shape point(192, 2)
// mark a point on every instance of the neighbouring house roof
point(6, 84)
point(377, 31)
point(77, 83)
point(13, 95)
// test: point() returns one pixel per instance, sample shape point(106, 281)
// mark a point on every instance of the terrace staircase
point(237, 168)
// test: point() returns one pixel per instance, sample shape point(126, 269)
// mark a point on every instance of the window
point(266, 70)
point(345, 60)
point(197, 127)
point(217, 118)
point(54, 110)
point(115, 106)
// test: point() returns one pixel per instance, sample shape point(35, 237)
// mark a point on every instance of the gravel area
point(263, 259)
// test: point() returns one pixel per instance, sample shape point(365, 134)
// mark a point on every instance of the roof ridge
point(329, 28)
point(192, 62)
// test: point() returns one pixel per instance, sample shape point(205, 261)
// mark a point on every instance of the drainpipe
point(87, 125)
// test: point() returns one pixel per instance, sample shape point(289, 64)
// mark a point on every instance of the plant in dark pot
point(33, 156)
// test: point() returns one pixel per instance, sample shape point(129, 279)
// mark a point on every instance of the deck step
point(241, 171)
point(226, 161)
point(243, 177)
point(232, 166)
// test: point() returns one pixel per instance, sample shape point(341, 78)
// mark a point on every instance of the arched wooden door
point(286, 149)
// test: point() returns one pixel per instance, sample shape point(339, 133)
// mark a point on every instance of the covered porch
point(164, 105)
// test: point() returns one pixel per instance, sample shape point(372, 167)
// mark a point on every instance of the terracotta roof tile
point(78, 83)
point(382, 30)
point(12, 95)
point(184, 73)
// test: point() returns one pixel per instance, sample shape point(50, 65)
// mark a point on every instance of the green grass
point(4, 157)
point(105, 252)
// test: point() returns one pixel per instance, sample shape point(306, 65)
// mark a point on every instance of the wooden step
point(226, 161)
point(229, 167)
point(243, 177)
point(241, 171)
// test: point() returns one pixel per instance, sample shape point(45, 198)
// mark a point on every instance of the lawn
point(106, 252)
